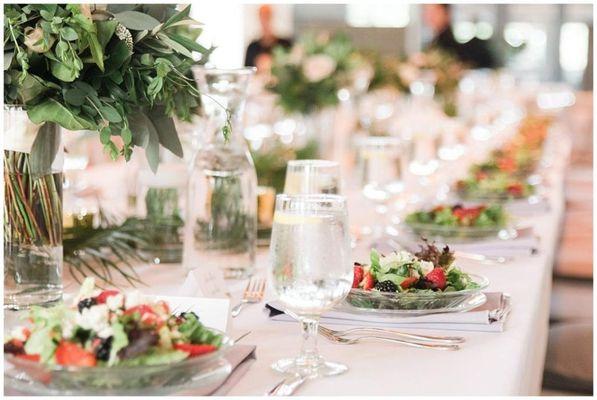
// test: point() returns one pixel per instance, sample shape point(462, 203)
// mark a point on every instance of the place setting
point(290, 206)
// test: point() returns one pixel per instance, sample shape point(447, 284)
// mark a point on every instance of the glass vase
point(160, 205)
point(221, 222)
point(33, 161)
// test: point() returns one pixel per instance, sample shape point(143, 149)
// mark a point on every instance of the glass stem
point(309, 353)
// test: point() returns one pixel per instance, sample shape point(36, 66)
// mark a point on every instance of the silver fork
point(253, 294)
point(420, 338)
point(343, 340)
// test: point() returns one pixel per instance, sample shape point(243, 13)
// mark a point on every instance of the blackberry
point(386, 286)
point(423, 283)
point(13, 348)
point(86, 303)
point(103, 350)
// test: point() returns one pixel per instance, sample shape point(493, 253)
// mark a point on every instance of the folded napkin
point(240, 357)
point(525, 244)
point(490, 317)
point(528, 207)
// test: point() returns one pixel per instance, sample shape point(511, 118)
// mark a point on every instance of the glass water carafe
point(221, 223)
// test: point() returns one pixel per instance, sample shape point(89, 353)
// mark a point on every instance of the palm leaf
point(105, 251)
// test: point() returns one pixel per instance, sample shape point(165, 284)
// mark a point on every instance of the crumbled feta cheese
point(426, 266)
point(399, 257)
point(106, 332)
point(115, 302)
point(133, 299)
point(68, 329)
point(94, 318)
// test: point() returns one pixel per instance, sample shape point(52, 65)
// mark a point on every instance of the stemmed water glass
point(380, 165)
point(312, 177)
point(311, 270)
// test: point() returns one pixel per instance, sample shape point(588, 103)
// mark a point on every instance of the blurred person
point(259, 52)
point(475, 52)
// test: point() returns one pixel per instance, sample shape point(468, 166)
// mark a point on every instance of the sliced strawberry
point(69, 353)
point(408, 282)
point(515, 189)
point(103, 296)
point(359, 273)
point(195, 349)
point(368, 281)
point(437, 278)
point(31, 357)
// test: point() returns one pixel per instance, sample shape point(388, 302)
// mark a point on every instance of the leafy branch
point(123, 71)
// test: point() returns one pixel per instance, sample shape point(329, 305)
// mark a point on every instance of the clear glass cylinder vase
point(221, 219)
point(33, 161)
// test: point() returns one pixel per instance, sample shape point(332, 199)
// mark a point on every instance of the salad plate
point(403, 283)
point(460, 222)
point(107, 342)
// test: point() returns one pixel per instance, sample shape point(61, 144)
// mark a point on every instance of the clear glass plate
point(205, 371)
point(456, 232)
point(417, 303)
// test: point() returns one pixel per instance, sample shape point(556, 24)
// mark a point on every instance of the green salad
point(428, 270)
point(481, 216)
point(108, 328)
point(498, 185)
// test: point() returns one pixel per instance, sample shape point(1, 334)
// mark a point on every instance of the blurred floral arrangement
point(446, 72)
point(121, 70)
point(308, 76)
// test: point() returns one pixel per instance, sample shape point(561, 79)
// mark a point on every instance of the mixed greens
point(498, 185)
point(481, 216)
point(428, 270)
point(108, 328)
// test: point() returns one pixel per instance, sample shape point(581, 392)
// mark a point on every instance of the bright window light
point(484, 30)
point(378, 15)
point(531, 39)
point(574, 46)
point(464, 31)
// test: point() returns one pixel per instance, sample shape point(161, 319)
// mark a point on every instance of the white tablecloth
point(507, 363)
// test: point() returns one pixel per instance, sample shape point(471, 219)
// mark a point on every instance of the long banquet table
point(505, 363)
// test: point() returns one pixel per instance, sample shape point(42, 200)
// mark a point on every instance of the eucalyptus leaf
point(174, 45)
point(105, 31)
point(74, 96)
point(63, 72)
point(110, 113)
point(68, 33)
point(152, 150)
point(136, 20)
point(184, 13)
point(44, 149)
point(30, 88)
point(97, 51)
point(141, 127)
point(51, 110)
point(188, 43)
point(166, 130)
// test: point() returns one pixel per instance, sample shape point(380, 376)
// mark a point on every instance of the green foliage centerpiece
point(121, 70)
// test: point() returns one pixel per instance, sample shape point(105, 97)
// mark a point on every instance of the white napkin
point(527, 208)
point(490, 317)
point(525, 244)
